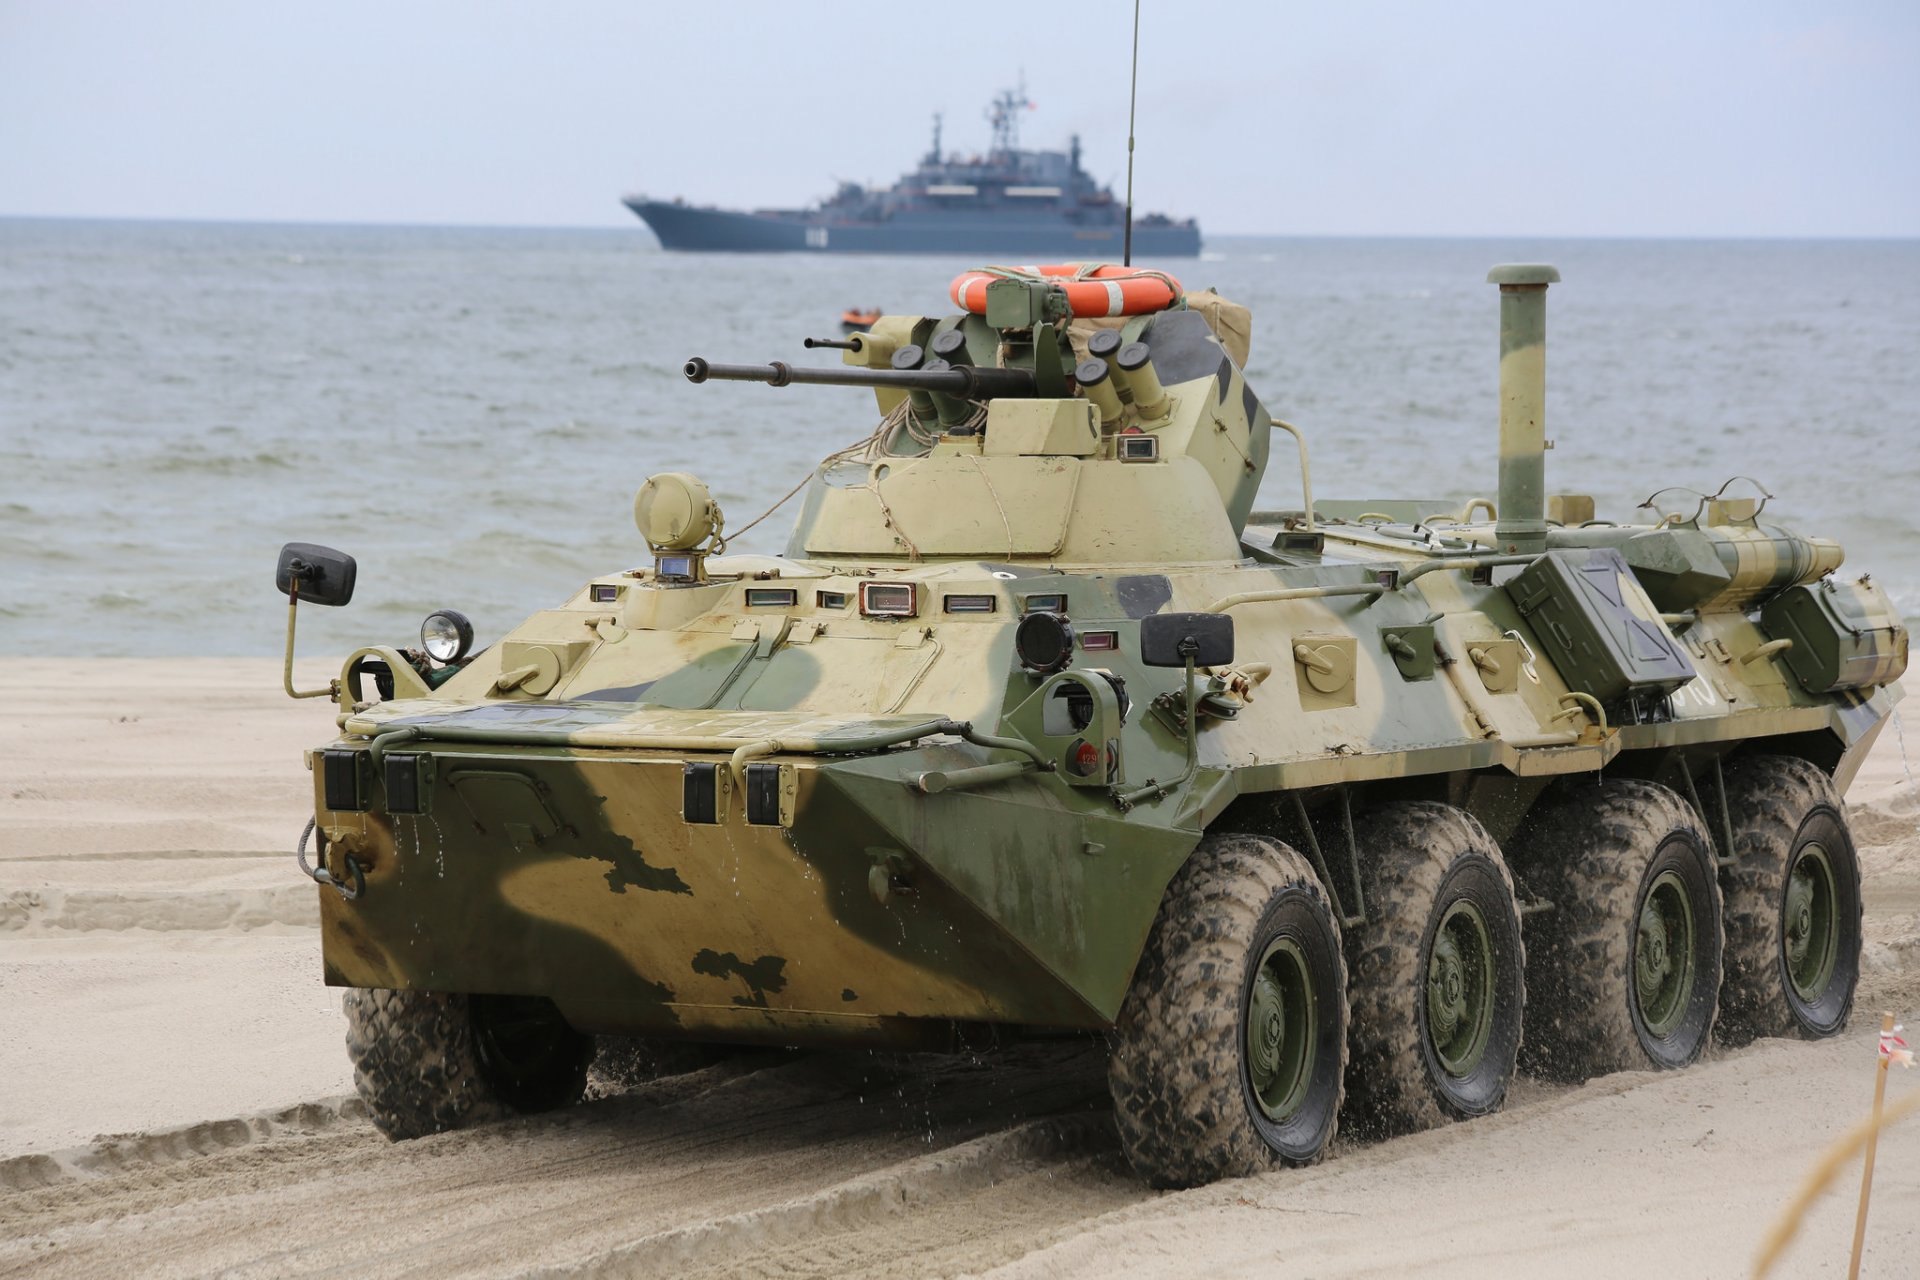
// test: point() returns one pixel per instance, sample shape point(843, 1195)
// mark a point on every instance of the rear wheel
point(1625, 968)
point(425, 1061)
point(1230, 1047)
point(1793, 903)
point(1437, 973)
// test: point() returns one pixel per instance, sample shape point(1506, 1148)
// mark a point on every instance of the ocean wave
point(221, 464)
point(568, 430)
point(31, 550)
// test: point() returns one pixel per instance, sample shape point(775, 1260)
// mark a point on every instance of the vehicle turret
point(1023, 429)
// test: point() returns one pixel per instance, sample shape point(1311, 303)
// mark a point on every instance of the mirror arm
point(1153, 790)
point(286, 672)
point(1193, 725)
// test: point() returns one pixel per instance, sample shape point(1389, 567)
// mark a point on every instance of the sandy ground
point(175, 1098)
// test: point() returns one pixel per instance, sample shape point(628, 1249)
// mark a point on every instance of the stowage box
point(1578, 602)
point(1846, 635)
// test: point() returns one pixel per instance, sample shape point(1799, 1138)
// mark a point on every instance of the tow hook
point(320, 874)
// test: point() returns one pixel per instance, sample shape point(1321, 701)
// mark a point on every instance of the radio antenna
point(1133, 96)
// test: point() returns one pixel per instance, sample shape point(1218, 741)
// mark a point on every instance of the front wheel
point(530, 1057)
point(1230, 1048)
point(427, 1061)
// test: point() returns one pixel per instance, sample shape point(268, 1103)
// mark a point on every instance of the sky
point(1598, 118)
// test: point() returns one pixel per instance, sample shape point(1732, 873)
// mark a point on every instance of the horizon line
point(614, 228)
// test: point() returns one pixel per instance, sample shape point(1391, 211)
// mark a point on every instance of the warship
point(1006, 202)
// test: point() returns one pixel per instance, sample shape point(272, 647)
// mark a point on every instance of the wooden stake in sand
point(1890, 1044)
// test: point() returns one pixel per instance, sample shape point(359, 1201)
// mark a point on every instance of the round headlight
point(446, 635)
point(1043, 642)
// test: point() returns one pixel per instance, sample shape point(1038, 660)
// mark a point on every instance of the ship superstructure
point(1007, 201)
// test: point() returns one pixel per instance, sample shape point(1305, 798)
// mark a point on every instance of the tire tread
point(1408, 850)
point(1175, 1068)
point(1772, 796)
point(1587, 854)
point(414, 1062)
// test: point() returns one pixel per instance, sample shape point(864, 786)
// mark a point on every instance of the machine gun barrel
point(966, 381)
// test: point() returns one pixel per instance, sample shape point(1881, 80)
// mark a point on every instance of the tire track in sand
point(742, 1158)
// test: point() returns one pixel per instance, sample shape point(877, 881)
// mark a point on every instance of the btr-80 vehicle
point(1039, 727)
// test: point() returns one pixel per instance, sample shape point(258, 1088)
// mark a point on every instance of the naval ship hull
point(685, 227)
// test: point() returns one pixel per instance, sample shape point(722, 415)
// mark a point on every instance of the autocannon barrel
point(966, 381)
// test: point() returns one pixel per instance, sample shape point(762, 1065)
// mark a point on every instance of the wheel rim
point(1460, 989)
point(1810, 934)
point(1663, 954)
point(1280, 1030)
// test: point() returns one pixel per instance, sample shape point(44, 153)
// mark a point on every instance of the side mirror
point(320, 574)
point(1169, 639)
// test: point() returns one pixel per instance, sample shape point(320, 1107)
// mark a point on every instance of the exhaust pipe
point(1521, 525)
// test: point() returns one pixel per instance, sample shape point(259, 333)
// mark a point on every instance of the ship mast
point(1004, 116)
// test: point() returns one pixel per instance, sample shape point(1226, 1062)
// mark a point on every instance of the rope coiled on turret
point(900, 417)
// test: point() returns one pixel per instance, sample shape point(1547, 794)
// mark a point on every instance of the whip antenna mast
point(1133, 96)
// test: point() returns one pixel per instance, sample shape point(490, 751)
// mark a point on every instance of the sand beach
point(178, 1099)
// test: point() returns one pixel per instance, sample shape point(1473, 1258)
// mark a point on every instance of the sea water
point(469, 412)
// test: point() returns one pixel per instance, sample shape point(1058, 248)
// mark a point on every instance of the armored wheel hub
point(1810, 933)
point(1663, 954)
point(1460, 989)
point(1280, 1030)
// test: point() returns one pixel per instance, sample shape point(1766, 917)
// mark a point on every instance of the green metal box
point(1581, 604)
point(1016, 304)
point(1846, 635)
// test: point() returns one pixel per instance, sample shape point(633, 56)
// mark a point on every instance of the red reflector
point(1085, 759)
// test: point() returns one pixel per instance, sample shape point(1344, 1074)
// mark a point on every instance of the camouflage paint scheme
point(553, 859)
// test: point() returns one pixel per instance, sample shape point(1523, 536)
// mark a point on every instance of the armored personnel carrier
point(1039, 727)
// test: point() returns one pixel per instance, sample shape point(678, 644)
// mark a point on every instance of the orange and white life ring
point(1092, 288)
